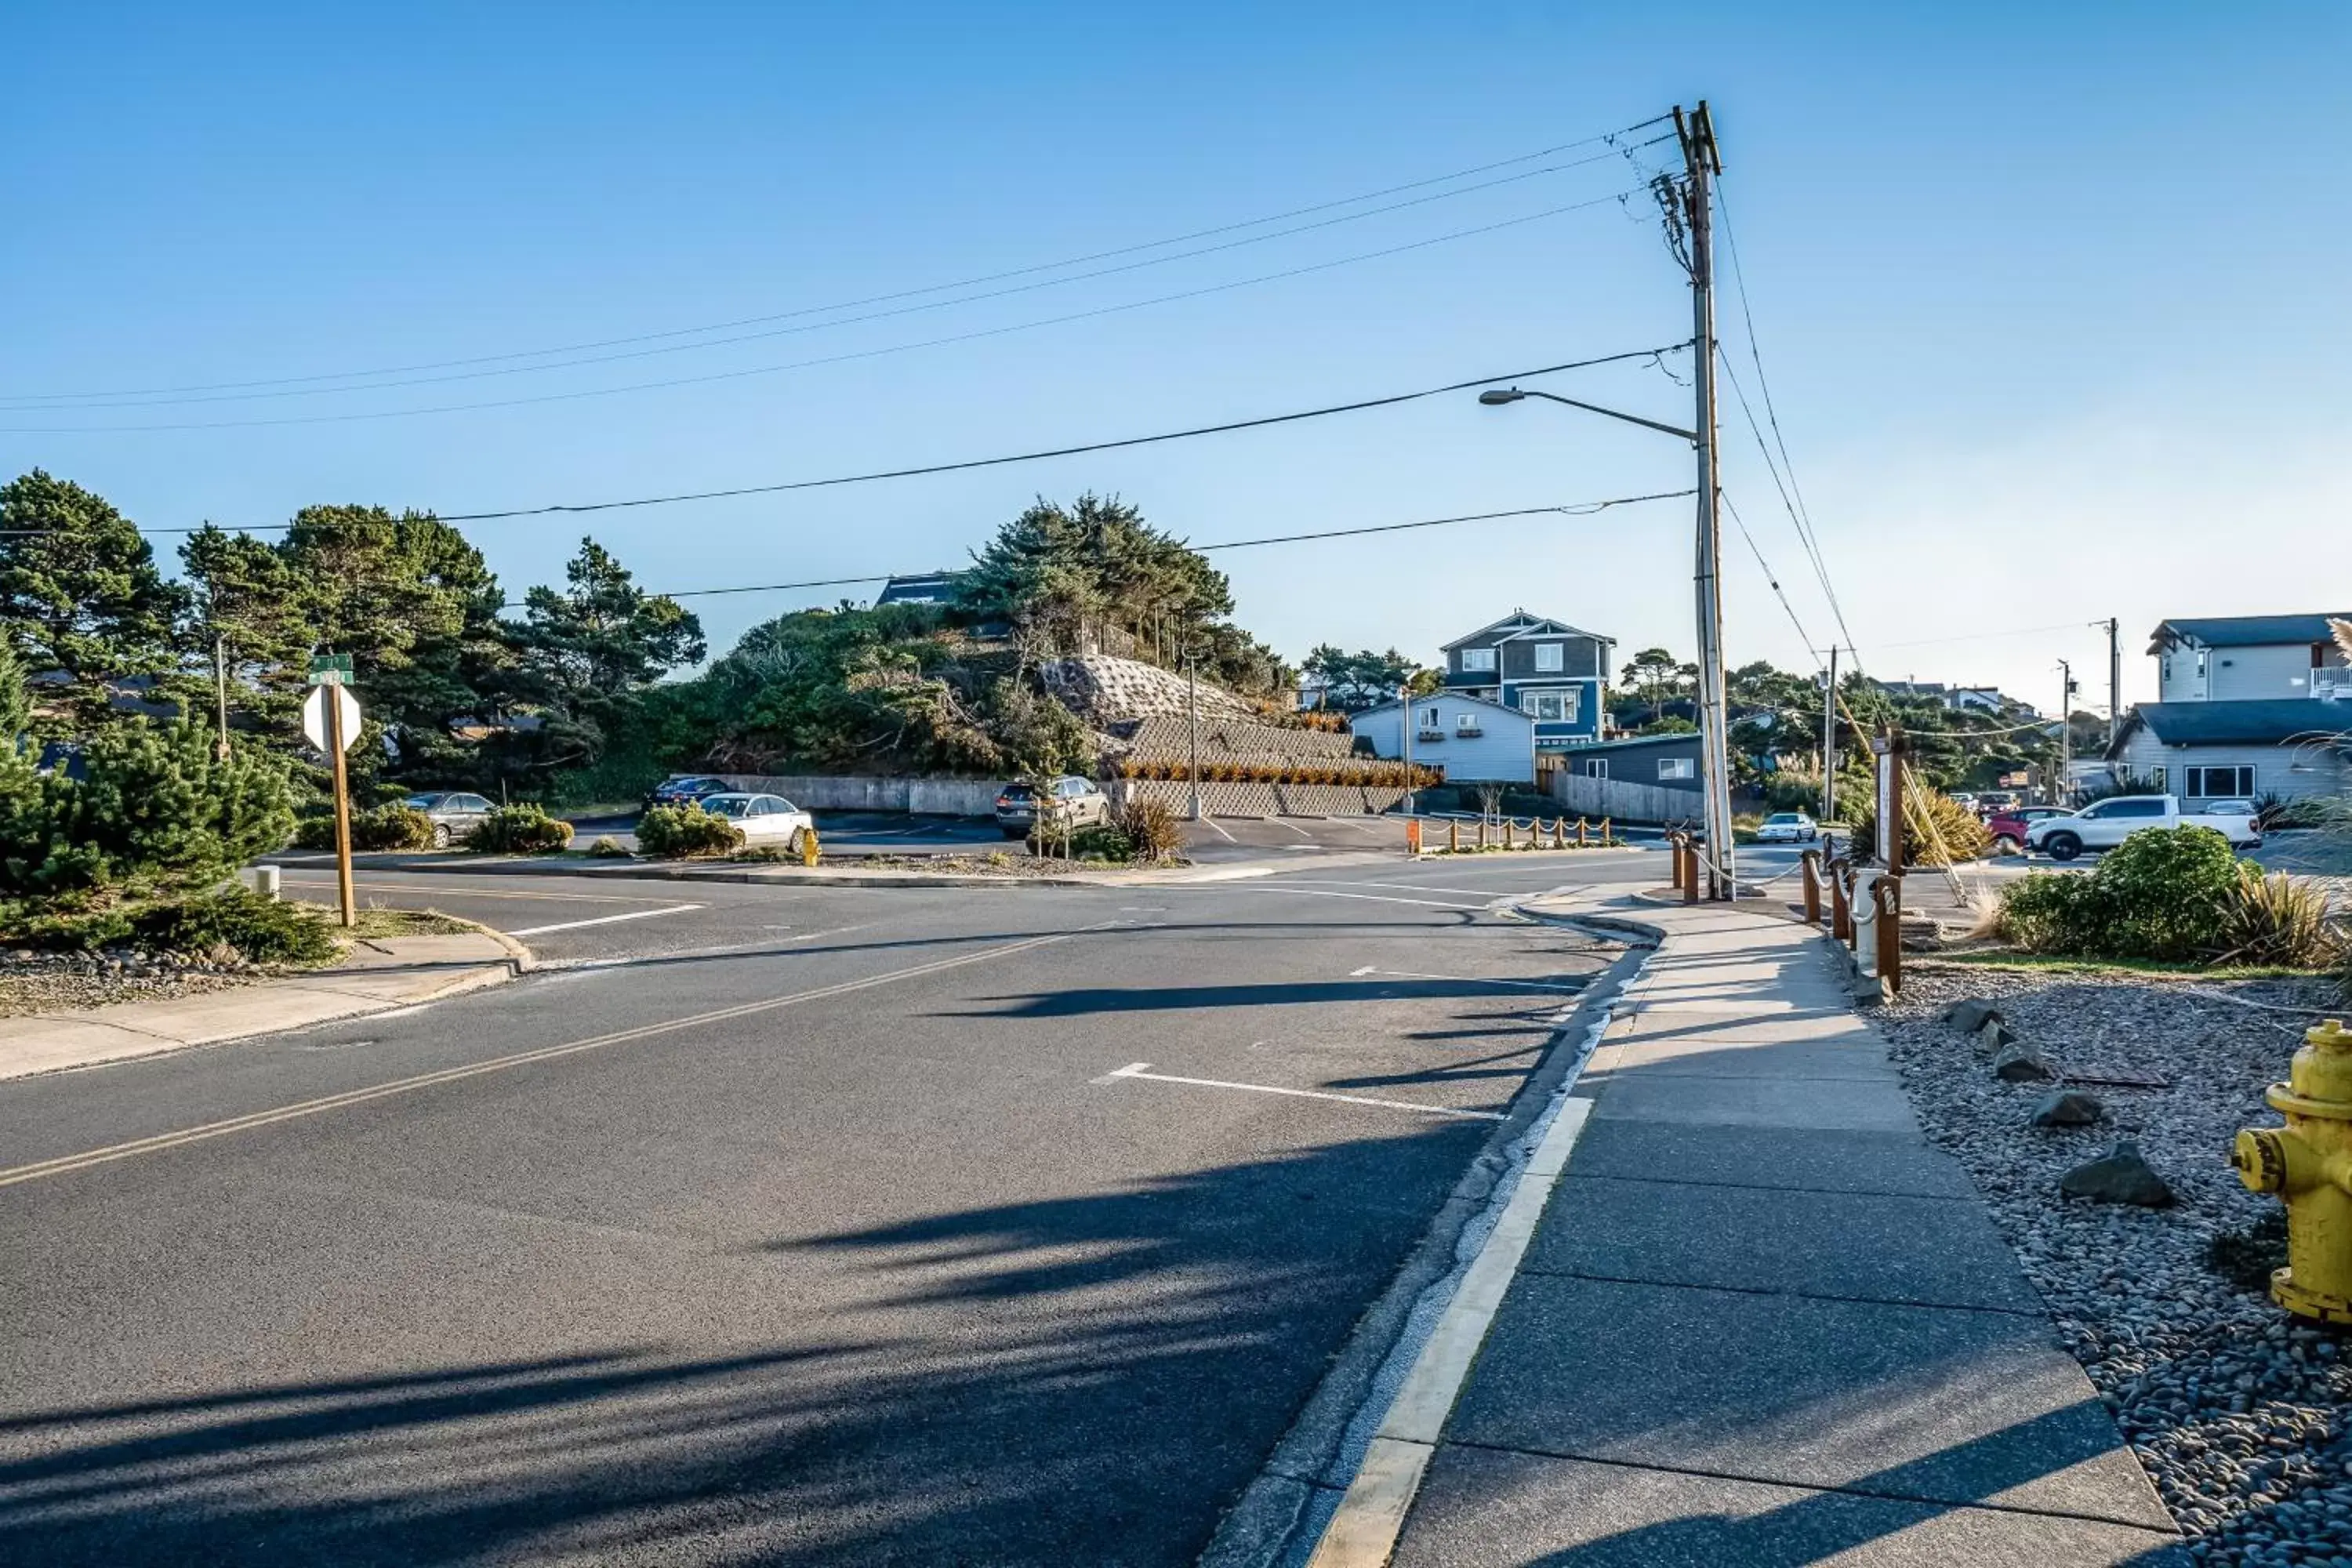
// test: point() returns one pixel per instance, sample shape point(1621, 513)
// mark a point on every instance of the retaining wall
point(867, 792)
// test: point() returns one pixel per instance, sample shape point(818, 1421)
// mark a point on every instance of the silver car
point(453, 813)
point(1069, 802)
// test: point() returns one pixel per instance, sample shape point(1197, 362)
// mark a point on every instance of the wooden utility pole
point(1828, 742)
point(2065, 793)
point(2115, 680)
point(334, 706)
point(220, 691)
point(1702, 160)
point(1404, 738)
point(1192, 722)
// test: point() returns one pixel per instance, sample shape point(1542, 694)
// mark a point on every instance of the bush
point(608, 847)
point(685, 832)
point(315, 831)
point(2163, 893)
point(2278, 919)
point(261, 931)
point(1150, 828)
point(1937, 830)
point(1102, 841)
point(524, 830)
point(393, 827)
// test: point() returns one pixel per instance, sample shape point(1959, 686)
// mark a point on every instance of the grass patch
point(2154, 968)
point(374, 921)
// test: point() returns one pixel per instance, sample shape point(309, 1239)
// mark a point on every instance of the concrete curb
point(1299, 1497)
point(656, 872)
point(42, 1043)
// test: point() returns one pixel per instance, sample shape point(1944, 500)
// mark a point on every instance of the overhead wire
point(1611, 137)
point(571, 508)
point(805, 327)
point(822, 360)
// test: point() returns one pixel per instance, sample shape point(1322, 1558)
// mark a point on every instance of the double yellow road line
point(66, 1163)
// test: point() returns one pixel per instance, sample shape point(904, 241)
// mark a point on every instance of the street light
point(1714, 738)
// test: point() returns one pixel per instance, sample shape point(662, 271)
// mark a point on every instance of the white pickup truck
point(2107, 823)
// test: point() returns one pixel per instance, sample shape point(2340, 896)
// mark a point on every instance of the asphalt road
point(803, 1225)
point(1211, 841)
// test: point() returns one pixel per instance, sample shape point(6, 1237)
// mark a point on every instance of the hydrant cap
point(2322, 1070)
point(2330, 1035)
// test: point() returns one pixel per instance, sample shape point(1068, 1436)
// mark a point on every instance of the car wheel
point(2003, 843)
point(440, 835)
point(793, 844)
point(2063, 845)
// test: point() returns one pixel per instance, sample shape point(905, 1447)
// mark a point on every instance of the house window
point(1551, 707)
point(2212, 783)
point(1465, 724)
point(1677, 768)
point(1549, 659)
point(1596, 767)
point(1477, 661)
point(2156, 778)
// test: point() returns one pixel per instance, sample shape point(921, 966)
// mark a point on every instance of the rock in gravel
point(2118, 1176)
point(2067, 1107)
point(1996, 1036)
point(2022, 1063)
point(1970, 1014)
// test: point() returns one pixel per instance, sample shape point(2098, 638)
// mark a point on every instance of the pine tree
point(80, 599)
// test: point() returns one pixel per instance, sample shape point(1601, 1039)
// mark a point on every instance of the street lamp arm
point(1516, 392)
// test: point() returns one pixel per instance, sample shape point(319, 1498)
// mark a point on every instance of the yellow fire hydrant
point(809, 849)
point(2308, 1163)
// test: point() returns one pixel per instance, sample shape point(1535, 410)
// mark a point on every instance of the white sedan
point(762, 818)
point(1788, 827)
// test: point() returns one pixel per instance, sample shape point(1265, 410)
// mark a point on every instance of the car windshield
point(727, 805)
point(1785, 818)
point(423, 802)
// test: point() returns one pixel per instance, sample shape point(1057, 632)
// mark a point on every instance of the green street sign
point(341, 663)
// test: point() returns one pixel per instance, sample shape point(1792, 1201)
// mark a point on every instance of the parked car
point(762, 818)
point(1070, 802)
point(2007, 827)
point(454, 814)
point(1962, 799)
point(1788, 827)
point(2104, 824)
point(1993, 802)
point(2231, 809)
point(682, 788)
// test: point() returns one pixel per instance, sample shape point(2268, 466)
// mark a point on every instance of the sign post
point(330, 717)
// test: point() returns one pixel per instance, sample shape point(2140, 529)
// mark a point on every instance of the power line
point(1981, 636)
point(896, 311)
point(1573, 509)
point(825, 360)
point(577, 507)
point(1610, 138)
point(1772, 577)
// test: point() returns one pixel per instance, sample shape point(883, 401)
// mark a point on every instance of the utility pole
point(220, 689)
point(1192, 722)
point(1404, 737)
point(2065, 793)
point(2115, 680)
point(1828, 742)
point(1701, 162)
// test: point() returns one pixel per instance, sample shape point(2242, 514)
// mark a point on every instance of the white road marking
point(604, 920)
point(1292, 826)
point(1135, 1070)
point(1211, 823)
point(1359, 973)
point(1374, 898)
point(1401, 887)
point(461, 890)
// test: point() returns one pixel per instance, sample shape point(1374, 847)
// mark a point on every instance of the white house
point(1469, 737)
point(2249, 658)
point(2250, 705)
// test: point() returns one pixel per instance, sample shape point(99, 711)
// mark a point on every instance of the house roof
point(1456, 698)
point(2271, 721)
point(928, 588)
point(1624, 741)
point(1520, 622)
point(2244, 631)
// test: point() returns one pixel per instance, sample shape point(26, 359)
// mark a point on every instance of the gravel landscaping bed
point(59, 983)
point(2241, 1415)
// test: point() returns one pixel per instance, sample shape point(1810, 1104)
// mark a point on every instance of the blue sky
point(2045, 295)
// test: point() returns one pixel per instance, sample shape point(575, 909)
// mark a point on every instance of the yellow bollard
point(2308, 1163)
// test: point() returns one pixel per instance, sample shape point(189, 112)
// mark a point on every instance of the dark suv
point(683, 788)
point(1071, 802)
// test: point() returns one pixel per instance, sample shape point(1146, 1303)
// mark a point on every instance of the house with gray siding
point(1472, 739)
point(1548, 669)
point(2248, 705)
point(1667, 761)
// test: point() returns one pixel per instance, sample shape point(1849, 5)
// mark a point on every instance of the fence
point(1622, 800)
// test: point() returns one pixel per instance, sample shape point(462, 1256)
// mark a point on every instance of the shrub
point(315, 831)
point(263, 930)
point(1150, 828)
point(2277, 918)
point(685, 832)
point(1102, 841)
point(608, 847)
point(524, 829)
point(767, 854)
point(393, 827)
point(2163, 893)
point(1937, 830)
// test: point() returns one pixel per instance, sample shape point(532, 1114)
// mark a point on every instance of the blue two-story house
point(1548, 669)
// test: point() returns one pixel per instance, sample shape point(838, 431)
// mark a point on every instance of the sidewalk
point(396, 972)
point(1761, 1322)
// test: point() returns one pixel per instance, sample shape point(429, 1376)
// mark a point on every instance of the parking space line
point(461, 891)
point(1211, 823)
point(604, 920)
point(1135, 1070)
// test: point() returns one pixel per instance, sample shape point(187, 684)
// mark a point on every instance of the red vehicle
point(2007, 827)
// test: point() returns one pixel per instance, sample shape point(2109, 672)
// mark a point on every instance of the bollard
point(1675, 857)
point(1506, 833)
point(1413, 836)
point(1887, 902)
point(1559, 832)
point(1580, 833)
point(1482, 832)
point(1689, 853)
point(1811, 860)
point(1605, 831)
point(1453, 838)
point(1841, 911)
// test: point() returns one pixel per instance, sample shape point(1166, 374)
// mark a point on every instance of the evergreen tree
point(80, 599)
